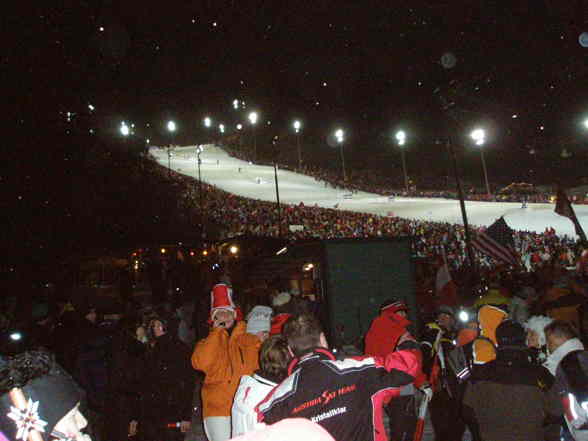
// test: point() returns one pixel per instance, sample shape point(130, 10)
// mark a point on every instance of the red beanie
point(221, 297)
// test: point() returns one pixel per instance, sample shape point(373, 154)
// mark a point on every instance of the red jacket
point(384, 333)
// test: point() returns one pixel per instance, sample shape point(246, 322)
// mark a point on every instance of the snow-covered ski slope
point(257, 182)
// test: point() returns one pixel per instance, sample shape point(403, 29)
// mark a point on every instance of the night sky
point(515, 67)
point(371, 66)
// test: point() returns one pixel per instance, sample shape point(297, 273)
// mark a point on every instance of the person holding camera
point(228, 352)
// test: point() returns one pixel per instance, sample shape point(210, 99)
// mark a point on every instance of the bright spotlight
point(464, 316)
point(221, 127)
point(15, 336)
point(124, 129)
point(586, 123)
point(297, 125)
point(239, 126)
point(235, 104)
point(340, 135)
point(253, 118)
point(171, 126)
point(479, 136)
point(234, 249)
point(401, 137)
point(207, 122)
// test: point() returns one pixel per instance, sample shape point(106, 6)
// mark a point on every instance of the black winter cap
point(510, 333)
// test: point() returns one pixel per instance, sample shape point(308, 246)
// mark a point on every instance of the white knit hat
point(259, 319)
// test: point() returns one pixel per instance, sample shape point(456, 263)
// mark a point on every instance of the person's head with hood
point(393, 308)
point(489, 318)
point(39, 400)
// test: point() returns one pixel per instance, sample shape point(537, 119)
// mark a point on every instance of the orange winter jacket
point(224, 359)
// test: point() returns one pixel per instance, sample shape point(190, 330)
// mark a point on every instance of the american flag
point(497, 242)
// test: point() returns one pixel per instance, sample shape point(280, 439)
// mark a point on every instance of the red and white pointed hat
point(221, 297)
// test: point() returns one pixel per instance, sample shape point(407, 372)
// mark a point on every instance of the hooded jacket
point(384, 333)
point(484, 348)
point(224, 359)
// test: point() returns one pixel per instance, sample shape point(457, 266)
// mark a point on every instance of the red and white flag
point(445, 286)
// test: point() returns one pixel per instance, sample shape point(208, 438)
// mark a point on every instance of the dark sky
point(514, 67)
point(370, 65)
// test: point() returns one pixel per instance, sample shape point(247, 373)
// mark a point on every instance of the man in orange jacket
point(227, 353)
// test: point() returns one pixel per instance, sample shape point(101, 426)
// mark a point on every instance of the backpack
point(461, 358)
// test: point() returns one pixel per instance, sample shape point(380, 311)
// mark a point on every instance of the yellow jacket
point(489, 317)
point(224, 359)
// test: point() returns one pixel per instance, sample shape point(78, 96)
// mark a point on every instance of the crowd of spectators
point(244, 216)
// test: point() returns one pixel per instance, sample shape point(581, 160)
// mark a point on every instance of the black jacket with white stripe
point(346, 397)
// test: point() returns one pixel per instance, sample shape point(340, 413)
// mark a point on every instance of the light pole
point(297, 126)
point(207, 122)
point(479, 137)
point(401, 139)
point(340, 137)
point(253, 116)
point(171, 128)
point(276, 151)
point(199, 151)
point(124, 129)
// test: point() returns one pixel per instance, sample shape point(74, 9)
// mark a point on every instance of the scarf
point(556, 356)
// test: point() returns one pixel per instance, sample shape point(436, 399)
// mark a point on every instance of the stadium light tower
point(297, 127)
point(479, 137)
point(124, 129)
point(340, 138)
point(253, 117)
point(278, 208)
point(401, 140)
point(207, 123)
point(199, 151)
point(171, 128)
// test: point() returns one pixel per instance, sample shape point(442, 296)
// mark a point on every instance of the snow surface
point(257, 181)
